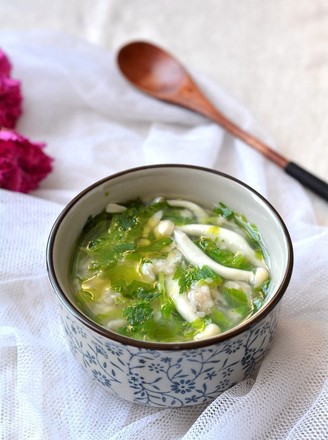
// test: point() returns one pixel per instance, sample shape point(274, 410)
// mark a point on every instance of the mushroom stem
point(180, 300)
point(186, 310)
point(199, 212)
point(196, 257)
point(234, 241)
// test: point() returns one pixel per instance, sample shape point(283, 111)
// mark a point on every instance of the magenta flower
point(10, 95)
point(10, 101)
point(5, 66)
point(23, 164)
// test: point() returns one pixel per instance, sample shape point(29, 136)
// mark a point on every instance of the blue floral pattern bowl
point(169, 378)
point(159, 374)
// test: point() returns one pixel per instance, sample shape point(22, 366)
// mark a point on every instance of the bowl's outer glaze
point(169, 374)
point(169, 378)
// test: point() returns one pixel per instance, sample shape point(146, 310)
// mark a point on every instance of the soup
point(169, 270)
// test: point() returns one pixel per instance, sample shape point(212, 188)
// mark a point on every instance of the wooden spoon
point(157, 73)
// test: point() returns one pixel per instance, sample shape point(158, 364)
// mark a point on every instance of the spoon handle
point(307, 179)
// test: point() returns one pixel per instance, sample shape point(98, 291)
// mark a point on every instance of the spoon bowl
point(157, 73)
point(154, 71)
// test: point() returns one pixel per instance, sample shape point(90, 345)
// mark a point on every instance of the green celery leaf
point(138, 314)
point(194, 274)
point(235, 297)
point(123, 249)
point(156, 245)
point(194, 327)
point(253, 234)
point(251, 230)
point(238, 301)
point(223, 211)
point(223, 256)
point(220, 319)
point(99, 222)
point(103, 318)
point(167, 309)
point(140, 290)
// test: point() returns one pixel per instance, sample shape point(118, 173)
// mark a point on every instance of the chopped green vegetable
point(220, 319)
point(193, 274)
point(156, 245)
point(224, 256)
point(140, 290)
point(238, 301)
point(104, 318)
point(179, 216)
point(198, 325)
point(138, 279)
point(250, 229)
point(224, 211)
point(138, 314)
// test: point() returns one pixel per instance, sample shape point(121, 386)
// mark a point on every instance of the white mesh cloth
point(95, 124)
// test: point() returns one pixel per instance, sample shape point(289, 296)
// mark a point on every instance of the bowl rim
point(167, 346)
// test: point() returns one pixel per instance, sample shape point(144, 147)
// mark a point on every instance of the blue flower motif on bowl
point(172, 378)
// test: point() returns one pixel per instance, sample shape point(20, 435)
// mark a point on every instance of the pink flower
point(10, 101)
point(5, 66)
point(23, 164)
point(10, 95)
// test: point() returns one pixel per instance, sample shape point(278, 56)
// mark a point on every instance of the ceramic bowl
point(169, 374)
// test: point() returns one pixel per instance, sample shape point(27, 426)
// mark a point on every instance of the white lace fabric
point(94, 124)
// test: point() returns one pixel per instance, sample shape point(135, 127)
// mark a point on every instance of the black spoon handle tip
point(307, 179)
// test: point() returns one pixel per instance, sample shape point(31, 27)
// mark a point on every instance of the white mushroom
point(209, 331)
point(152, 223)
point(116, 324)
point(180, 300)
point(239, 285)
point(199, 212)
point(147, 269)
point(164, 228)
point(114, 208)
point(233, 241)
point(167, 266)
point(196, 257)
point(186, 309)
point(259, 277)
